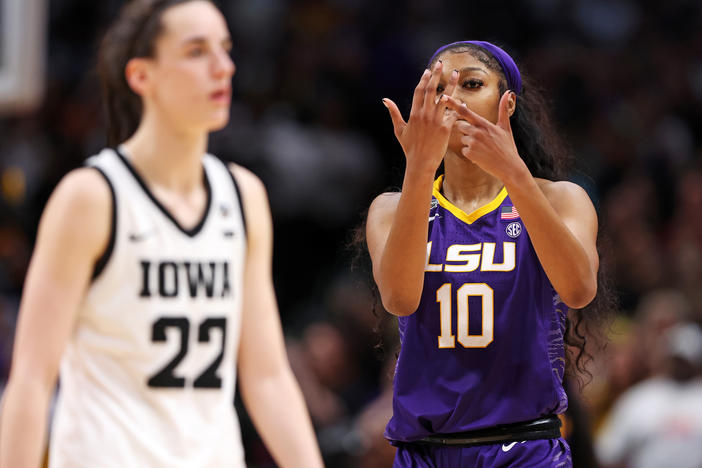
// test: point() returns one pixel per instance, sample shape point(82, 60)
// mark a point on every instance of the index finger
point(463, 111)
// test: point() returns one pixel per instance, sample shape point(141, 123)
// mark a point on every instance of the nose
point(223, 65)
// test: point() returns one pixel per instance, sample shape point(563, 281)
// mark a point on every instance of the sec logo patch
point(513, 230)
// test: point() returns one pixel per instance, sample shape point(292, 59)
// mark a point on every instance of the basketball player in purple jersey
point(480, 266)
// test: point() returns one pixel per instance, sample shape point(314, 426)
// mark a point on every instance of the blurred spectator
point(657, 313)
point(634, 351)
point(658, 422)
point(375, 451)
point(630, 219)
point(686, 238)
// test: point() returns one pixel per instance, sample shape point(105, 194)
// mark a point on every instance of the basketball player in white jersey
point(150, 284)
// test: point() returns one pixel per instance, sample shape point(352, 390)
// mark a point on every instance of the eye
point(196, 52)
point(472, 83)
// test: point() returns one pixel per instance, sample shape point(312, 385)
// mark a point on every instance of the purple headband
point(514, 79)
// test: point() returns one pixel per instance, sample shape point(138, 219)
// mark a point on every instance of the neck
point(465, 183)
point(165, 156)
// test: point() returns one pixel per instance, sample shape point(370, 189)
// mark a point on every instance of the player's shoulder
point(563, 191)
point(254, 199)
point(382, 209)
point(249, 183)
point(561, 188)
point(85, 190)
point(385, 203)
point(79, 210)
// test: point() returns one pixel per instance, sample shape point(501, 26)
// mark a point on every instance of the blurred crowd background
point(625, 80)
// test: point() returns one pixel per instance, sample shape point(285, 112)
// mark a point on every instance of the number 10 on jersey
point(444, 297)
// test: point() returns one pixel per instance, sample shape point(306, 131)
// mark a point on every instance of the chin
point(454, 143)
point(218, 123)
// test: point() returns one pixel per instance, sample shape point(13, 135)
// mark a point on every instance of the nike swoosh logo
point(507, 447)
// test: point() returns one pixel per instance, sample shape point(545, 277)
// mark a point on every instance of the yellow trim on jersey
point(459, 213)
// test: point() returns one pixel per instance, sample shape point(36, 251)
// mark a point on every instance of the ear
point(511, 103)
point(137, 75)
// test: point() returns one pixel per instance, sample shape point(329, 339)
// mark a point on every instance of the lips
point(222, 95)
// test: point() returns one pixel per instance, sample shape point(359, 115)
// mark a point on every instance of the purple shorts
point(543, 453)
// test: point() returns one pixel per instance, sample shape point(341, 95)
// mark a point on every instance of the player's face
point(478, 88)
point(191, 72)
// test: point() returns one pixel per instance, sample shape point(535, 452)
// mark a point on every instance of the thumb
point(398, 122)
point(503, 112)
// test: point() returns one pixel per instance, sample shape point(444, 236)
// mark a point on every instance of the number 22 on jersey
point(208, 378)
point(444, 297)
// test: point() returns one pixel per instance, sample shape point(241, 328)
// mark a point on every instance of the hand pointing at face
point(489, 145)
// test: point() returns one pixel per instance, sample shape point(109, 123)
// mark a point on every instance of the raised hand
point(424, 137)
point(489, 145)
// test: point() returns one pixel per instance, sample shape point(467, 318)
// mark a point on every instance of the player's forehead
point(462, 60)
point(197, 19)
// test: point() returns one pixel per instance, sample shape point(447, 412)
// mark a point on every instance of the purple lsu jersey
point(485, 346)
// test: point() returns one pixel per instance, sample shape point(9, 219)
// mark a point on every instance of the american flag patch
point(508, 212)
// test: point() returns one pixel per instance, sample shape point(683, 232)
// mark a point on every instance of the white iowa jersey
point(148, 377)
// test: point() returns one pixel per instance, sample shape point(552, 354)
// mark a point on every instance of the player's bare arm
point(576, 211)
point(268, 386)
point(397, 230)
point(562, 225)
point(73, 233)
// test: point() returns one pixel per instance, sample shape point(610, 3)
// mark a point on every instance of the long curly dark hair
point(547, 157)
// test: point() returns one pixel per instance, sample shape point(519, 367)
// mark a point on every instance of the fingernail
point(438, 64)
point(426, 72)
point(385, 102)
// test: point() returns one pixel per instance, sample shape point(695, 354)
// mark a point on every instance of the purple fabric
point(553, 453)
point(518, 376)
point(509, 67)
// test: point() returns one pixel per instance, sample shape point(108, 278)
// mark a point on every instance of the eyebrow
point(199, 40)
